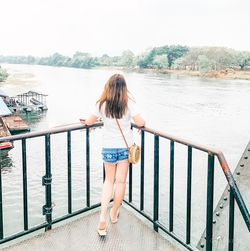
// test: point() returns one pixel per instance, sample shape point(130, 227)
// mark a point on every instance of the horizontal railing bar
point(20, 234)
point(86, 209)
point(209, 150)
point(44, 225)
point(223, 163)
point(160, 226)
point(179, 140)
point(233, 186)
point(55, 130)
point(60, 129)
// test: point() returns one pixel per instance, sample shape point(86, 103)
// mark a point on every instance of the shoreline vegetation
point(228, 74)
point(3, 74)
point(205, 62)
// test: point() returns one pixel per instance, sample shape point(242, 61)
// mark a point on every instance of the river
point(207, 111)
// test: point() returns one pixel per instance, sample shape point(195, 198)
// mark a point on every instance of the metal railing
point(235, 194)
point(47, 180)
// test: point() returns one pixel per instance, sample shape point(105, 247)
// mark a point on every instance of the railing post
point(156, 181)
point(69, 172)
point(25, 193)
point(130, 182)
point(210, 198)
point(87, 168)
point(142, 170)
point(103, 172)
point(231, 222)
point(171, 188)
point(1, 204)
point(47, 180)
point(189, 194)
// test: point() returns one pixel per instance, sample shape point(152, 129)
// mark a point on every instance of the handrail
point(55, 130)
point(212, 152)
point(223, 163)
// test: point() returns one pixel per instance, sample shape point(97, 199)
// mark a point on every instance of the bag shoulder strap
point(122, 133)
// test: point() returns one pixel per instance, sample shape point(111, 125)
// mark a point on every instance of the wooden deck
point(15, 124)
point(4, 132)
point(129, 234)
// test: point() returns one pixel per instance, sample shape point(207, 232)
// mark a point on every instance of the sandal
point(102, 231)
point(112, 219)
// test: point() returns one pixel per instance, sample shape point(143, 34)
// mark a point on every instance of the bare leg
point(120, 186)
point(107, 192)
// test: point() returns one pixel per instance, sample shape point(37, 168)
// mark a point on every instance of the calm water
point(210, 112)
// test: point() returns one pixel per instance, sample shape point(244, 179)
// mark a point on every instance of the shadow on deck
point(130, 234)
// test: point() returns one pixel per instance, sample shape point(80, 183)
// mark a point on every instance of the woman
point(113, 104)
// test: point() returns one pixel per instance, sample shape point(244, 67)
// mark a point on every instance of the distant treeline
point(3, 74)
point(203, 59)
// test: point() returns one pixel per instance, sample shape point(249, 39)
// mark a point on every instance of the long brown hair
point(115, 94)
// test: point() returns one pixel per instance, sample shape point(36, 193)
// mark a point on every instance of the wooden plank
point(15, 123)
point(4, 132)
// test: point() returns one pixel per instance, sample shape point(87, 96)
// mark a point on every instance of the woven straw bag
point(134, 151)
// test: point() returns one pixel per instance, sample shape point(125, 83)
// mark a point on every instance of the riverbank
point(18, 78)
point(229, 74)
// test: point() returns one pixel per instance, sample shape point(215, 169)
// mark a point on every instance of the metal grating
point(130, 234)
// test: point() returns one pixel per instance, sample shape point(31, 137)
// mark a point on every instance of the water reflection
point(34, 118)
point(6, 162)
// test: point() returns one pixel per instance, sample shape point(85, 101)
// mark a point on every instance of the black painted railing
point(235, 194)
point(47, 180)
point(186, 242)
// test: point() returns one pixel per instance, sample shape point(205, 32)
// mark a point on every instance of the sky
point(43, 27)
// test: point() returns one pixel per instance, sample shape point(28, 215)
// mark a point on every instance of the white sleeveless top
point(112, 137)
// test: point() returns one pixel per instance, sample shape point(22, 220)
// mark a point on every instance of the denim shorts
point(114, 155)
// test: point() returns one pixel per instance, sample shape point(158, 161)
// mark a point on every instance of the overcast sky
point(42, 27)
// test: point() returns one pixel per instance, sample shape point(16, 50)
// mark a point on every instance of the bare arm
point(139, 121)
point(91, 120)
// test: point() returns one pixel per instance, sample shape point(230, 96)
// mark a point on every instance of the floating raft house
point(30, 101)
point(9, 123)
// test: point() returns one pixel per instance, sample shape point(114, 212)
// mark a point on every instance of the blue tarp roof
point(4, 110)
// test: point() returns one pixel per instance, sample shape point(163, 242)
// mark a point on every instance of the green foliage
point(127, 58)
point(105, 60)
point(160, 61)
point(204, 63)
point(82, 60)
point(172, 53)
point(175, 52)
point(172, 57)
point(144, 60)
point(242, 59)
point(3, 74)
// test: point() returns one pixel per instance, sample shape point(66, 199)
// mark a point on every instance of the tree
point(83, 60)
point(143, 60)
point(127, 58)
point(105, 60)
point(204, 63)
point(242, 59)
point(174, 52)
point(3, 74)
point(189, 60)
point(160, 61)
